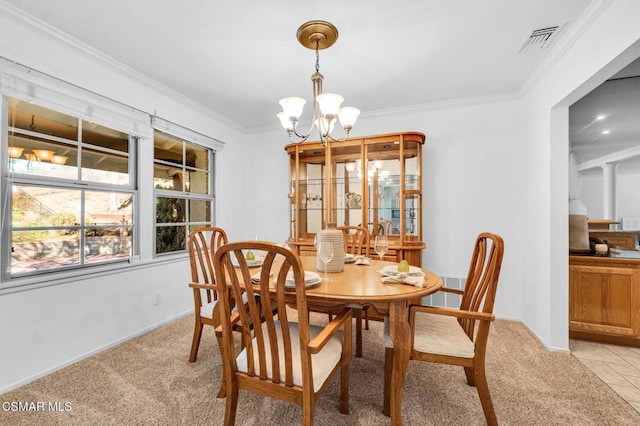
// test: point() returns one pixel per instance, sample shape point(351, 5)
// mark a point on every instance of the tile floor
point(617, 366)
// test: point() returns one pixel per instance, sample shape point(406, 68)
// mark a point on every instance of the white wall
point(46, 328)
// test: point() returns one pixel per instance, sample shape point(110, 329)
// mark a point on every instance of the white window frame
point(27, 84)
point(186, 136)
point(15, 179)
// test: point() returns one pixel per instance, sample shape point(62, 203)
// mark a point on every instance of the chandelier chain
point(317, 56)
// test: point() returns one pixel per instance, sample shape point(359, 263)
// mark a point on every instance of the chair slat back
point(274, 342)
point(202, 245)
point(356, 240)
point(482, 279)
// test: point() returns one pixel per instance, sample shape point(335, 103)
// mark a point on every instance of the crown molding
point(447, 104)
point(573, 34)
point(439, 105)
point(43, 29)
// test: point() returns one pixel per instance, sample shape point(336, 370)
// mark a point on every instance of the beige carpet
point(148, 381)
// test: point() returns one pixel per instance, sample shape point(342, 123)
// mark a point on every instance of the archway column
point(609, 190)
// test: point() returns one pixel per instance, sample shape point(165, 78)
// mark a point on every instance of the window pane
point(170, 210)
point(36, 156)
point(42, 250)
point(108, 208)
point(197, 156)
point(96, 134)
point(167, 177)
point(34, 118)
point(193, 228)
point(167, 148)
point(199, 211)
point(103, 244)
point(170, 238)
point(197, 182)
point(53, 224)
point(105, 167)
point(42, 206)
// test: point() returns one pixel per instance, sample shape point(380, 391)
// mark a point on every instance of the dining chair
point(284, 359)
point(449, 336)
point(356, 242)
point(203, 243)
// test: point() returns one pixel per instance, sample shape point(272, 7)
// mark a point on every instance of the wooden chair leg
point(388, 368)
point(344, 388)
point(485, 396)
point(471, 381)
point(358, 317)
point(231, 406)
point(195, 344)
point(222, 392)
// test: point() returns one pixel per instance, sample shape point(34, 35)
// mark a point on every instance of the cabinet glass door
point(412, 194)
point(309, 200)
point(383, 179)
point(348, 192)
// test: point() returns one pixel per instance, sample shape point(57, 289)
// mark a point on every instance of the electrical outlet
point(157, 298)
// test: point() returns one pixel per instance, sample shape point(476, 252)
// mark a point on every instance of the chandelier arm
point(316, 78)
point(338, 139)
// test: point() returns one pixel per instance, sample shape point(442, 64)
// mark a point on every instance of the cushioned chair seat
point(206, 310)
point(437, 334)
point(322, 363)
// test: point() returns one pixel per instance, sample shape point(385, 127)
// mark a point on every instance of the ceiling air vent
point(539, 39)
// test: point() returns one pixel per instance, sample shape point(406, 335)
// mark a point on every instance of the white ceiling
point(239, 58)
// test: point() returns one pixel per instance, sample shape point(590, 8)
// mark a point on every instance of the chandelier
point(317, 35)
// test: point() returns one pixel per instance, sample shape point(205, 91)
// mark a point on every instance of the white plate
point(349, 258)
point(309, 284)
point(310, 278)
point(250, 263)
point(392, 271)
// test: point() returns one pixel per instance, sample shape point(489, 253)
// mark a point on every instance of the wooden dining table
point(361, 285)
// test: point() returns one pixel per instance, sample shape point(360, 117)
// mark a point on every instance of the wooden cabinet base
point(605, 338)
point(604, 299)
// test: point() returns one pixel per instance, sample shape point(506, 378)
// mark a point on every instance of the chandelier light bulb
point(325, 126)
point(348, 116)
point(43, 154)
point(292, 106)
point(59, 159)
point(15, 152)
point(329, 103)
point(285, 121)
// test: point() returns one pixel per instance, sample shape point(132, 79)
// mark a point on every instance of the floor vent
point(449, 300)
point(539, 39)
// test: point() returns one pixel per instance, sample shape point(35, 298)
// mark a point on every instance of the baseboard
point(542, 341)
point(93, 352)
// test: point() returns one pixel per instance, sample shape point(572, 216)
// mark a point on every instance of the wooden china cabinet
point(371, 181)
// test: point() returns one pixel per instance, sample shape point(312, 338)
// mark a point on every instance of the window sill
point(16, 285)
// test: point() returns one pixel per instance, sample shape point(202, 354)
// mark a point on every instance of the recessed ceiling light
point(601, 117)
point(605, 132)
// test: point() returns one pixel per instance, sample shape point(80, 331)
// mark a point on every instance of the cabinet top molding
point(392, 137)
